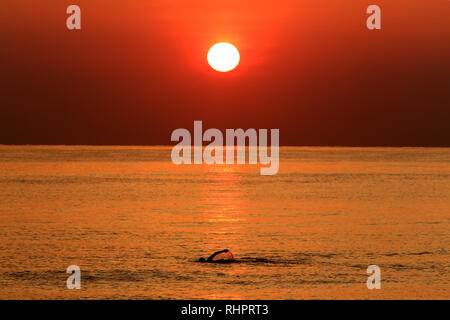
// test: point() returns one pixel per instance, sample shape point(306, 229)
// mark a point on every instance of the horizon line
point(171, 146)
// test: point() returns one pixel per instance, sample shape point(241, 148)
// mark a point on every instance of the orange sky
point(137, 70)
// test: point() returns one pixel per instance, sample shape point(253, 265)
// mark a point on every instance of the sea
point(135, 224)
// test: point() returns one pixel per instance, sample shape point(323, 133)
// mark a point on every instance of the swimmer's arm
point(215, 254)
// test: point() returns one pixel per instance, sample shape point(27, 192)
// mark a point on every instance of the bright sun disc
point(223, 57)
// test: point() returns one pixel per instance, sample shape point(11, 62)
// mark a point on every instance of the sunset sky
point(137, 70)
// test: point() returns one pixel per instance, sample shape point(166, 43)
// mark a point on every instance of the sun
point(223, 57)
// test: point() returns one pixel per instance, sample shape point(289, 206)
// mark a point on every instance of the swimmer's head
point(201, 260)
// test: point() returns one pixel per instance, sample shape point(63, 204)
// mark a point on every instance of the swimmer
point(219, 256)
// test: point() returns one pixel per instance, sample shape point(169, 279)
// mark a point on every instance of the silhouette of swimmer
point(219, 256)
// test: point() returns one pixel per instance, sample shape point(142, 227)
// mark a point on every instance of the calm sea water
point(135, 224)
